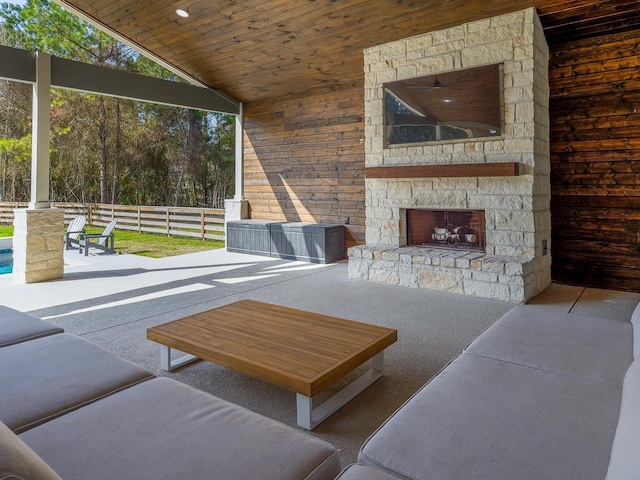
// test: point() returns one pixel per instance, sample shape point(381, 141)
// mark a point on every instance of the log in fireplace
point(455, 229)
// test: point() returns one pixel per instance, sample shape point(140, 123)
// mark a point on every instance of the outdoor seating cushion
point(164, 429)
point(16, 327)
point(487, 418)
point(625, 461)
point(356, 471)
point(596, 349)
point(18, 461)
point(53, 375)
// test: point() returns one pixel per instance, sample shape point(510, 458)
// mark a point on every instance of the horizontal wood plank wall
point(595, 162)
point(304, 159)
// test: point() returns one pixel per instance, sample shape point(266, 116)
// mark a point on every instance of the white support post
point(41, 132)
point(239, 180)
point(237, 208)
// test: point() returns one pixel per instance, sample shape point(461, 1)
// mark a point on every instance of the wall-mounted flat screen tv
point(455, 105)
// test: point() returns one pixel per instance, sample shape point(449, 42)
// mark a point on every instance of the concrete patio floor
point(112, 300)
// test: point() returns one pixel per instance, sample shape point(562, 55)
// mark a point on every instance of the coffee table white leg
point(309, 417)
point(168, 365)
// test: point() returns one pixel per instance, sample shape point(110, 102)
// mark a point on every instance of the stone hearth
point(516, 263)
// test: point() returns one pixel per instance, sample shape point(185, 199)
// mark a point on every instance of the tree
point(15, 134)
point(111, 150)
point(221, 160)
point(15, 156)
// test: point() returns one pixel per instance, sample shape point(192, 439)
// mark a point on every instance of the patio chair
point(102, 241)
point(75, 228)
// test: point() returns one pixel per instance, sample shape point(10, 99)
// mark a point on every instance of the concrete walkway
point(112, 300)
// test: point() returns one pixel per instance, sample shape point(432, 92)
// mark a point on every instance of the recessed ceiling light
point(182, 13)
point(446, 100)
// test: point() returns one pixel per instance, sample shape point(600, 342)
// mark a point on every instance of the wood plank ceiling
point(258, 49)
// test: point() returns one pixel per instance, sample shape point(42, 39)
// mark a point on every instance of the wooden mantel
point(496, 169)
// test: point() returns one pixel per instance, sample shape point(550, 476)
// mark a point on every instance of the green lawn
point(146, 244)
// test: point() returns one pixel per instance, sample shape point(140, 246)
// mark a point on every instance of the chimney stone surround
point(516, 264)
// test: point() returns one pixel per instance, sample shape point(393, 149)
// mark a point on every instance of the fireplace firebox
point(453, 229)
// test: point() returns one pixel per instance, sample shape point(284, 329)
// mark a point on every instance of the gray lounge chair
point(103, 241)
point(74, 230)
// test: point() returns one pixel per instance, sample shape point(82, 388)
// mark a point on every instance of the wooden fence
point(204, 223)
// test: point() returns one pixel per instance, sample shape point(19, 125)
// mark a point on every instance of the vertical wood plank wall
point(595, 162)
point(304, 159)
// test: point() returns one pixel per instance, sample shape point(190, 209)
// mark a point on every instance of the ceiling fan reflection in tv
point(423, 83)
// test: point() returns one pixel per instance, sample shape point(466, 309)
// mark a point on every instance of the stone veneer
point(38, 245)
point(516, 265)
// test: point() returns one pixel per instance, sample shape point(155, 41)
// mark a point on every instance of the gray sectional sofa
point(70, 409)
point(539, 396)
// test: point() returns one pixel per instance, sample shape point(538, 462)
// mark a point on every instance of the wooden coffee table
point(301, 351)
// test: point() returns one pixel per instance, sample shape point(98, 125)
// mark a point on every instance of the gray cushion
point(164, 429)
point(18, 461)
point(625, 456)
point(485, 418)
point(635, 320)
point(18, 327)
point(592, 348)
point(53, 375)
point(362, 472)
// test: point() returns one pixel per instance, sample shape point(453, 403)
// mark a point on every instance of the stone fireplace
point(495, 188)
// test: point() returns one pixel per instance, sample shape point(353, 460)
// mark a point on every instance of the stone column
point(236, 209)
point(38, 246)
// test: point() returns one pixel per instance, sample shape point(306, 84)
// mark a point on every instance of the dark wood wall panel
point(304, 159)
point(595, 161)
point(571, 20)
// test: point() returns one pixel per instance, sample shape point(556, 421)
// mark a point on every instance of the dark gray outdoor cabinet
point(310, 242)
point(249, 236)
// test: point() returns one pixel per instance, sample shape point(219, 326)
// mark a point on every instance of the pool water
point(6, 261)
